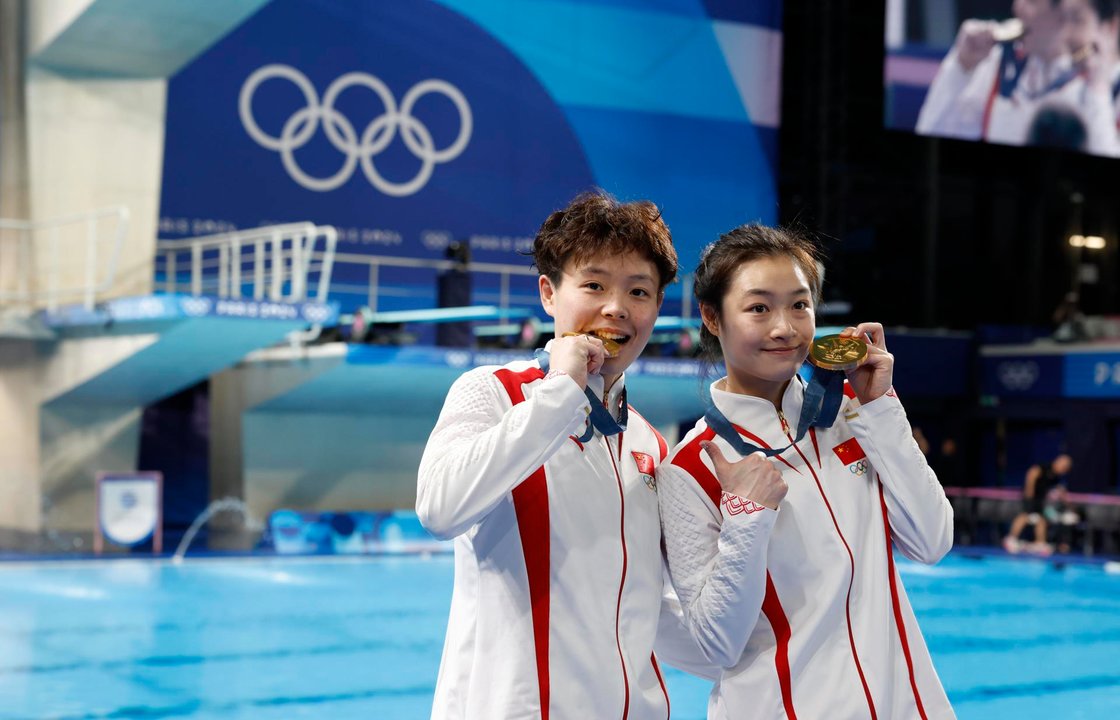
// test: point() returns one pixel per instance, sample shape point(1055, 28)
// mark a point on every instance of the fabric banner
point(413, 125)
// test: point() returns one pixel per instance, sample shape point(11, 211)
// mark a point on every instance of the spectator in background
point(454, 290)
point(923, 442)
point(1069, 321)
point(1040, 480)
point(1060, 515)
point(948, 464)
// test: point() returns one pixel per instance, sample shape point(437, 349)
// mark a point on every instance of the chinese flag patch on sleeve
point(644, 461)
point(849, 451)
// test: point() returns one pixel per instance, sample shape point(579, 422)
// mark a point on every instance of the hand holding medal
point(577, 356)
point(610, 347)
point(868, 365)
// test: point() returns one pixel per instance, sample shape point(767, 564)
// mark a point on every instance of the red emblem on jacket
point(644, 461)
point(849, 451)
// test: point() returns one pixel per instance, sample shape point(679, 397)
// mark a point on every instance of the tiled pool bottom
point(336, 638)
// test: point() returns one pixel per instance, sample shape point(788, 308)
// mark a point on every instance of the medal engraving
point(833, 352)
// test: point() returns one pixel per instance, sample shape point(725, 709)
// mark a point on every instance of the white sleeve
point(482, 448)
point(920, 515)
point(954, 104)
point(717, 564)
point(1099, 116)
point(674, 644)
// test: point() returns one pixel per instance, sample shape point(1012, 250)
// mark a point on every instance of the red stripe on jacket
point(985, 123)
point(664, 690)
point(688, 459)
point(897, 605)
point(621, 585)
point(530, 502)
point(772, 609)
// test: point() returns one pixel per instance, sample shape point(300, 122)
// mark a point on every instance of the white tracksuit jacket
point(970, 105)
point(560, 583)
point(803, 606)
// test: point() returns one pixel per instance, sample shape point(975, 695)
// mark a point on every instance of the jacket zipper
point(622, 580)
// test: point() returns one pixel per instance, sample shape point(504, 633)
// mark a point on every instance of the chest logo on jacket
point(851, 454)
point(645, 468)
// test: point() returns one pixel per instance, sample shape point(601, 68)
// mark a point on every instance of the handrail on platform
point(26, 294)
point(276, 262)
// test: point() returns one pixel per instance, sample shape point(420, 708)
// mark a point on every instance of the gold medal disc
point(610, 346)
point(833, 352)
point(1010, 29)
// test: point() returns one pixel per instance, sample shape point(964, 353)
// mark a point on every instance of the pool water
point(338, 638)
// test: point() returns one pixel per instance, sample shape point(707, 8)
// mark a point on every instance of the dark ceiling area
point(927, 232)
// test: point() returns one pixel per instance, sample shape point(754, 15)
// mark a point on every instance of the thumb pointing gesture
point(720, 463)
point(753, 478)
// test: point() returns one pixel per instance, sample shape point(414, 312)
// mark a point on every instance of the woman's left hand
point(874, 377)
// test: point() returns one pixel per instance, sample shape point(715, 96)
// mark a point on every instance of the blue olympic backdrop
point(411, 124)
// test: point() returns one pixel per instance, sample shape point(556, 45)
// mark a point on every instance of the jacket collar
point(759, 416)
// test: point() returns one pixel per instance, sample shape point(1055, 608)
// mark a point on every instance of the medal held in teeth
point(833, 352)
point(610, 346)
point(1010, 29)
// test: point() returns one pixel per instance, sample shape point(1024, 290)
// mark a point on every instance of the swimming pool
point(271, 638)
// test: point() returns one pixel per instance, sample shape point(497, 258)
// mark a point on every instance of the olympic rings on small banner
point(301, 126)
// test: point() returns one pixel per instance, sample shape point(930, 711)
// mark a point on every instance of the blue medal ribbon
point(600, 418)
point(1011, 66)
point(819, 408)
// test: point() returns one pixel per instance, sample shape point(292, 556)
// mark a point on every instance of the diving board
point(441, 315)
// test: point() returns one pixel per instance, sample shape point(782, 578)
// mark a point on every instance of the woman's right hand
point(578, 356)
point(753, 478)
point(975, 40)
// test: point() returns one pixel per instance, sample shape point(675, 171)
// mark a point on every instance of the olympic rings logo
point(858, 468)
point(377, 136)
point(1018, 375)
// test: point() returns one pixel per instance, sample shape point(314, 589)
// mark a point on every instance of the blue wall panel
point(411, 124)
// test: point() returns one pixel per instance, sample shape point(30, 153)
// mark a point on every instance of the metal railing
point(60, 259)
point(374, 264)
point(280, 263)
point(373, 288)
point(287, 263)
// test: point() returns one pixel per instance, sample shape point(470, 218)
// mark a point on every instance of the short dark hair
point(593, 223)
point(1106, 9)
point(720, 260)
point(1058, 125)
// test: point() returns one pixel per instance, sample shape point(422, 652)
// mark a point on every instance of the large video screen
point(1028, 72)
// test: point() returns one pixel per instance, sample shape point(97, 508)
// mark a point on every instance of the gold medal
point(1011, 29)
point(610, 346)
point(1083, 53)
point(833, 352)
